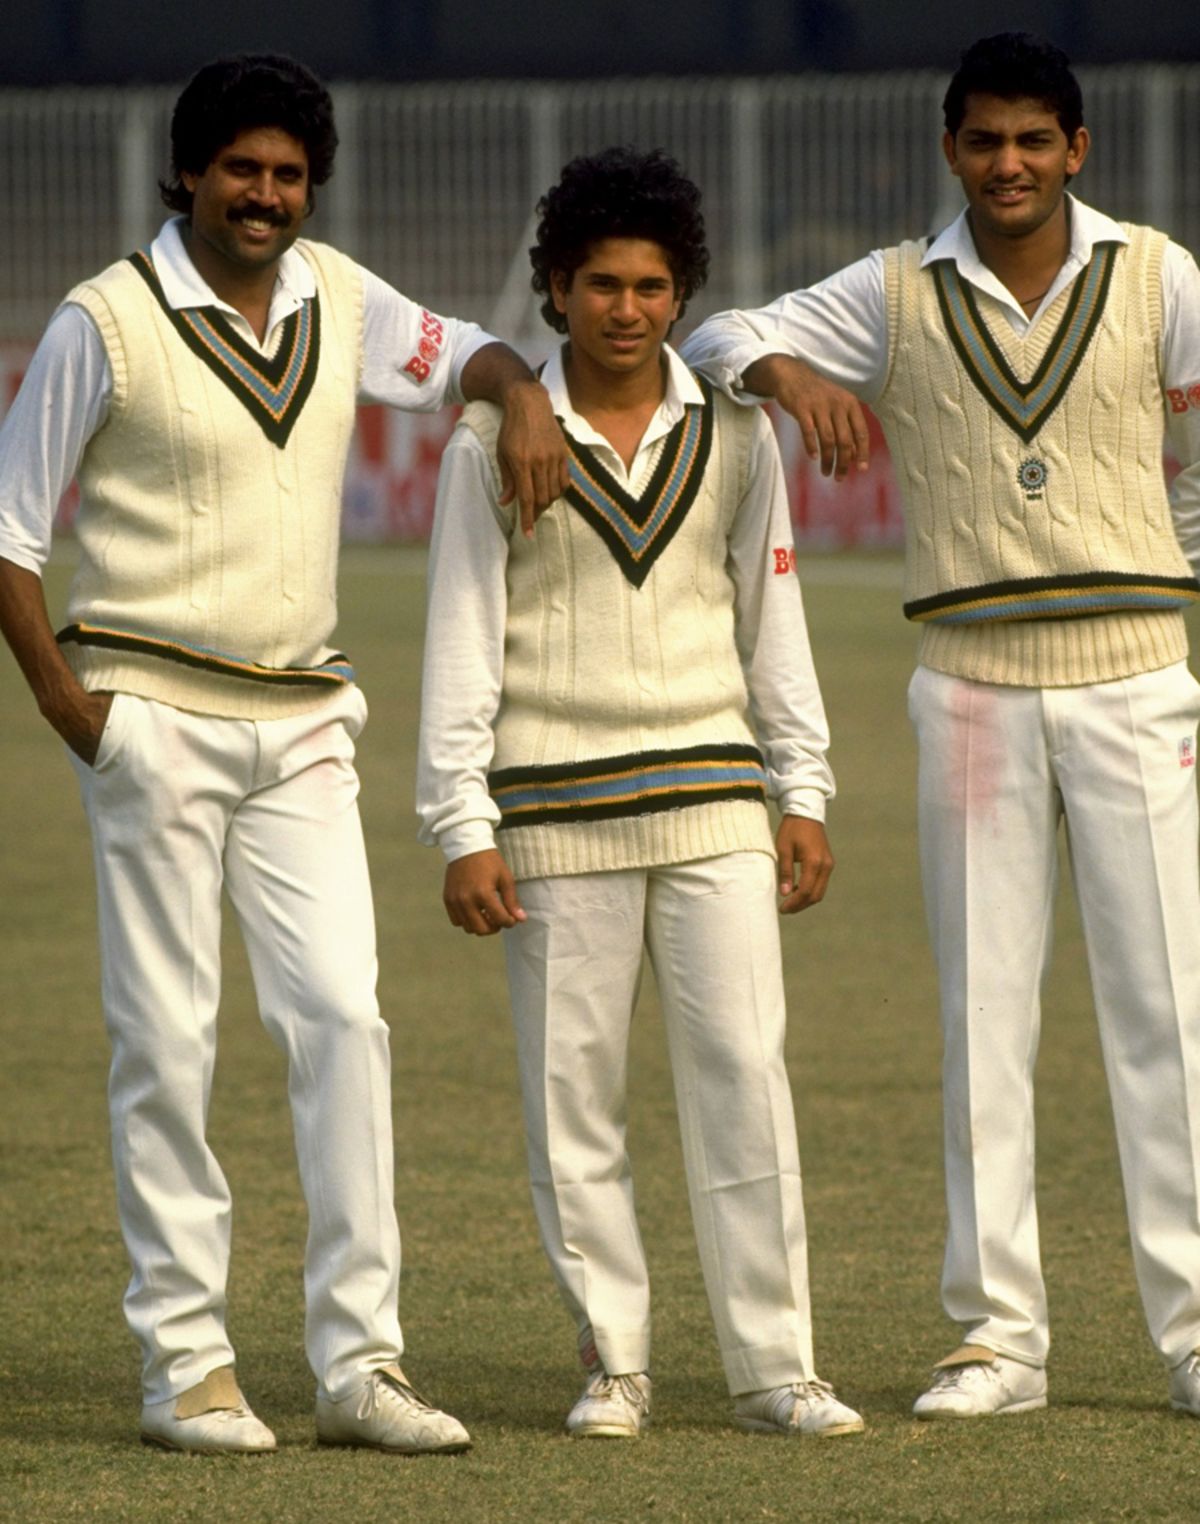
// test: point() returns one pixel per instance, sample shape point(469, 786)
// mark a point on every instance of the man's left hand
point(531, 451)
point(805, 863)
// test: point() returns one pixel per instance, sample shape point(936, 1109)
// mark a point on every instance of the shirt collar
point(1088, 228)
point(184, 286)
point(682, 391)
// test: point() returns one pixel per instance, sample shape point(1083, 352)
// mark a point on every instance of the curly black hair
point(1016, 66)
point(620, 193)
point(237, 94)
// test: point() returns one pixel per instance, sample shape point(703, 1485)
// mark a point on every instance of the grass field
point(486, 1334)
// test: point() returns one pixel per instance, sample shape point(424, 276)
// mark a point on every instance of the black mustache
point(276, 219)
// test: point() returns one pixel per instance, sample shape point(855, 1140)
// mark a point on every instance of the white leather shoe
point(386, 1414)
point(212, 1418)
point(802, 1407)
point(982, 1385)
point(611, 1407)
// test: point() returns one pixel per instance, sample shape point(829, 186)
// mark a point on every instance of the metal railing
point(436, 185)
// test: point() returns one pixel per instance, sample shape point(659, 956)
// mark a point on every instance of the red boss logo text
point(785, 560)
point(1183, 397)
point(433, 335)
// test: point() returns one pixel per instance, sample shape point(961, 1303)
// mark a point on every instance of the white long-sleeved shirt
point(840, 328)
point(65, 396)
point(464, 643)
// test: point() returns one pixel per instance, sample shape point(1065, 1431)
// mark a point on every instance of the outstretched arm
point(831, 419)
point(819, 352)
point(531, 449)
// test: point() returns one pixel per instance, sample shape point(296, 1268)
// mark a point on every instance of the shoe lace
point(614, 1388)
point(387, 1390)
point(954, 1377)
point(811, 1394)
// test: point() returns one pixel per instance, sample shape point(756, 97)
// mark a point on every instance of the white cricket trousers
point(180, 804)
point(999, 767)
point(574, 966)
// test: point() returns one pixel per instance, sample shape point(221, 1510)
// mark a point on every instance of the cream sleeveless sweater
point(211, 499)
point(1040, 549)
point(623, 738)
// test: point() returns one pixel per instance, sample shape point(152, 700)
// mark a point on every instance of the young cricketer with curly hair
point(607, 708)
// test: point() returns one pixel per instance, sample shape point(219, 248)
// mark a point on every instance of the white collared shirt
point(681, 390)
point(839, 326)
point(468, 600)
point(65, 396)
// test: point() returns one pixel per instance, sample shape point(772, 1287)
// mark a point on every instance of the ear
point(951, 152)
point(1077, 150)
point(560, 284)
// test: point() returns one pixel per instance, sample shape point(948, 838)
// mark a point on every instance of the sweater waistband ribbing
point(637, 783)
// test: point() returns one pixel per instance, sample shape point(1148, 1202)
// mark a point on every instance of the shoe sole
point(606, 1431)
point(1028, 1406)
point(1185, 1407)
point(156, 1442)
point(758, 1426)
point(456, 1447)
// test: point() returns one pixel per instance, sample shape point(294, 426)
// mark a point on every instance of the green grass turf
point(486, 1334)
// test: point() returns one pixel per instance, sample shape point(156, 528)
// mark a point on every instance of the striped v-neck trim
point(1024, 405)
point(273, 390)
point(638, 529)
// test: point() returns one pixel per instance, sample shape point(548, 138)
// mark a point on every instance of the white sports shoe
point(801, 1408)
point(212, 1418)
point(386, 1414)
point(978, 1388)
point(611, 1407)
point(1185, 1385)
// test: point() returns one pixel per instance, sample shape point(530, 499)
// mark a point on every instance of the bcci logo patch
point(1187, 752)
point(1031, 477)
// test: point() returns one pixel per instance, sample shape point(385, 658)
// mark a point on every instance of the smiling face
point(1013, 159)
point(249, 204)
point(619, 306)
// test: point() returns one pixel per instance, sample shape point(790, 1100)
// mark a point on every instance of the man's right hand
point(831, 419)
point(480, 894)
point(83, 727)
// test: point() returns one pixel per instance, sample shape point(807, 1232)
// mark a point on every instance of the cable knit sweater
point(623, 737)
point(211, 499)
point(1040, 544)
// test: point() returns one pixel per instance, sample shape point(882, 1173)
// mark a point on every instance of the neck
point(619, 406)
point(1026, 265)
